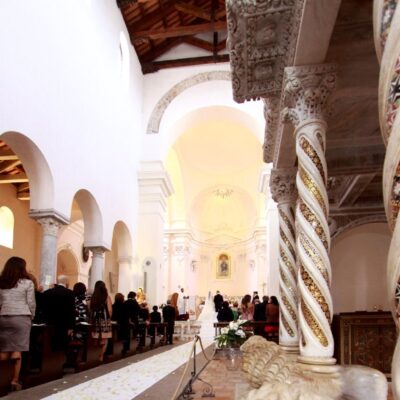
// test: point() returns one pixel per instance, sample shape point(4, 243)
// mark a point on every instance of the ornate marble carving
point(261, 39)
point(158, 111)
point(271, 112)
point(306, 92)
point(393, 101)
point(388, 9)
point(283, 185)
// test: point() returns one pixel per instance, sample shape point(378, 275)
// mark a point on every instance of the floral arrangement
point(233, 335)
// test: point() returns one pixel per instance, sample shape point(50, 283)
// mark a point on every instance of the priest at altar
point(183, 306)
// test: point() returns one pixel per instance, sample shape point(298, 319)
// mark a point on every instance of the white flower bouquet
point(233, 335)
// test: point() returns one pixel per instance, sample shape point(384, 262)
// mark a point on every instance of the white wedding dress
point(207, 318)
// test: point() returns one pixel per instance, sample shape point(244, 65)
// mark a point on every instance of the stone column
point(284, 192)
point(306, 93)
point(97, 266)
point(51, 222)
point(125, 279)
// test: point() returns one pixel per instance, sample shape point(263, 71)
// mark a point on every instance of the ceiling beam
point(160, 50)
point(179, 31)
point(23, 187)
point(369, 209)
point(24, 196)
point(193, 10)
point(375, 140)
point(183, 62)
point(7, 165)
point(355, 189)
point(150, 19)
point(18, 178)
point(202, 44)
point(7, 155)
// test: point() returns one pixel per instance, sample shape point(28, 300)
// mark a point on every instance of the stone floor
point(226, 384)
point(222, 380)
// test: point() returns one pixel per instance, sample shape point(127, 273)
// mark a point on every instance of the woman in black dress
point(81, 310)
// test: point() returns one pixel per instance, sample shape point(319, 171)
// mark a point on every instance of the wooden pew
point(115, 345)
point(143, 340)
point(42, 364)
point(90, 352)
point(155, 340)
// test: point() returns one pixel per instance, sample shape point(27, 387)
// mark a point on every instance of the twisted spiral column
point(307, 90)
point(283, 189)
point(387, 39)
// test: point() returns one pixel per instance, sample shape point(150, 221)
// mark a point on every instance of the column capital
point(50, 219)
point(50, 225)
point(306, 91)
point(97, 250)
point(283, 185)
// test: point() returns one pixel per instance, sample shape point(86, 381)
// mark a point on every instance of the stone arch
point(41, 183)
point(68, 264)
point(123, 239)
point(153, 125)
point(118, 261)
point(92, 218)
point(370, 219)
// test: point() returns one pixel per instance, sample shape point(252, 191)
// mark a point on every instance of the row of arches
point(82, 229)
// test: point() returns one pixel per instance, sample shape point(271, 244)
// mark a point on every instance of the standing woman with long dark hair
point(100, 307)
point(17, 309)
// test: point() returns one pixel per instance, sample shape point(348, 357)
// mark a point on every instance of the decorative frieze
point(271, 115)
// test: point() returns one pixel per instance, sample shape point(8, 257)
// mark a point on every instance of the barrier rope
point(192, 353)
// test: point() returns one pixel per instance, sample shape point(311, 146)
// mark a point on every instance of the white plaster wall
point(206, 94)
point(62, 87)
point(358, 258)
point(27, 232)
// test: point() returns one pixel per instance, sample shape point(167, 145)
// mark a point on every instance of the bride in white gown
point(207, 318)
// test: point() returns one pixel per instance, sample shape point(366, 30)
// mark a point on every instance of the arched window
point(6, 227)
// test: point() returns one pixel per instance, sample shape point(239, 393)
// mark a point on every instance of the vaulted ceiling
point(157, 26)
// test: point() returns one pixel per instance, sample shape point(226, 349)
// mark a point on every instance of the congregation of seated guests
point(69, 313)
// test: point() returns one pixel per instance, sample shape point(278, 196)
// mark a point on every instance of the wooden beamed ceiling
point(157, 26)
point(12, 171)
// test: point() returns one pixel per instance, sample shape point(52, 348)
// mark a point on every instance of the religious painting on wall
point(223, 266)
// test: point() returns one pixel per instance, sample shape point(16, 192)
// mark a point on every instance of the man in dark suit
point(169, 313)
point(218, 300)
point(59, 312)
point(132, 308)
point(260, 314)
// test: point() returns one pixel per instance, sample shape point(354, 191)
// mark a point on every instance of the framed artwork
point(223, 266)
